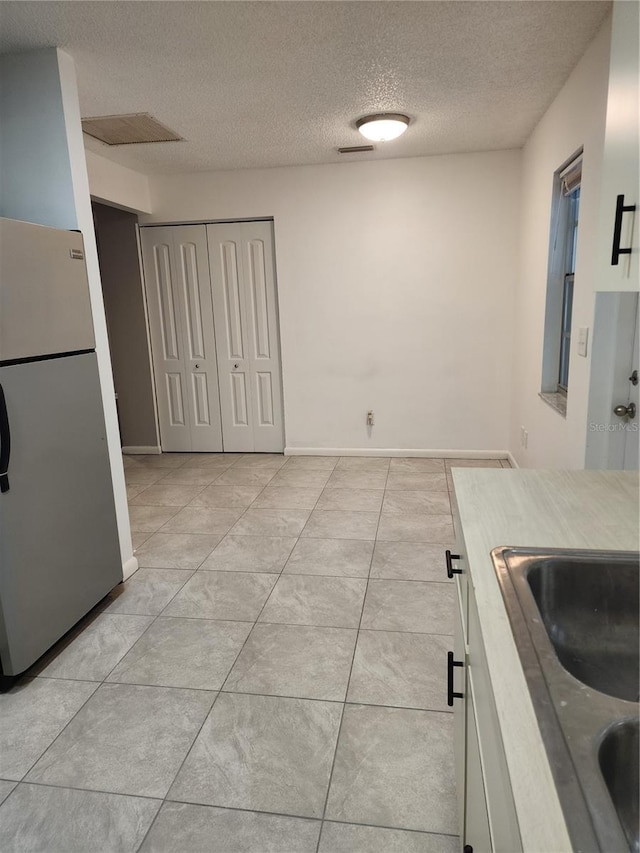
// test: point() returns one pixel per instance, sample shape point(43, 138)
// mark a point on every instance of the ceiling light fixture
point(381, 127)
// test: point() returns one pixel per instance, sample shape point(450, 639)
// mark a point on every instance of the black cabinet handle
point(449, 557)
point(451, 694)
point(621, 208)
point(5, 443)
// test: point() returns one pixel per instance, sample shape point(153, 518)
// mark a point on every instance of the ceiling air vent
point(355, 149)
point(132, 129)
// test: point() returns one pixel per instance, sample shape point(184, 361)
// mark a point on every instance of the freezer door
point(59, 551)
point(44, 292)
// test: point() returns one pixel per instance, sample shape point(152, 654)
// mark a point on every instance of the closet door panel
point(232, 336)
point(192, 262)
point(264, 344)
point(167, 344)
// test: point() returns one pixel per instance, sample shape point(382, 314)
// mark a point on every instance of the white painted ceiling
point(255, 84)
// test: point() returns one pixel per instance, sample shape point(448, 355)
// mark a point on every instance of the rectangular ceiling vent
point(355, 149)
point(132, 129)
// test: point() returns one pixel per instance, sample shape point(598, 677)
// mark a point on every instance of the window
point(573, 207)
point(560, 282)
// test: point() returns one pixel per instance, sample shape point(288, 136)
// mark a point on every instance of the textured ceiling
point(253, 84)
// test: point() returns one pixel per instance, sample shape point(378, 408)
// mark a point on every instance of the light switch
point(583, 339)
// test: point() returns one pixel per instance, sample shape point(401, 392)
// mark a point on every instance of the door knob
point(629, 410)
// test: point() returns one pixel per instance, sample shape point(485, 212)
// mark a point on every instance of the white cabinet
point(477, 833)
point(487, 816)
point(620, 175)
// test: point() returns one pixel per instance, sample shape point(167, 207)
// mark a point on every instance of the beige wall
point(126, 324)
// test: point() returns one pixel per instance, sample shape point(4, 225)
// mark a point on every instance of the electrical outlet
point(370, 418)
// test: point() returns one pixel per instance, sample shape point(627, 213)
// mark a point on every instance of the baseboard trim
point(512, 460)
point(136, 450)
point(394, 451)
point(129, 568)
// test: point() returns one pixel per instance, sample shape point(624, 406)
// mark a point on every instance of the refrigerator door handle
point(5, 443)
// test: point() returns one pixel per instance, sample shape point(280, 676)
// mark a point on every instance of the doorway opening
point(126, 315)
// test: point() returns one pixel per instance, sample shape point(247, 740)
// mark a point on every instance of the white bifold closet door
point(178, 288)
point(247, 337)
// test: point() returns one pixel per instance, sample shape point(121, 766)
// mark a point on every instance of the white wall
point(44, 180)
point(35, 168)
point(621, 168)
point(576, 118)
point(395, 283)
point(117, 185)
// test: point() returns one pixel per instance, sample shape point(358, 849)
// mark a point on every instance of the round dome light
point(383, 126)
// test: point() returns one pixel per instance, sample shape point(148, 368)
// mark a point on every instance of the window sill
point(557, 401)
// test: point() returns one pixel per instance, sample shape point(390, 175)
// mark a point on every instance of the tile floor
point(272, 679)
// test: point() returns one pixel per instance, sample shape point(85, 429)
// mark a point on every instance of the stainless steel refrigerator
point(59, 551)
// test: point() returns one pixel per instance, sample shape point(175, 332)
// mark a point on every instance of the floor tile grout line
point(241, 516)
point(84, 790)
point(104, 680)
point(346, 695)
point(99, 684)
point(396, 828)
point(345, 702)
point(162, 801)
point(44, 751)
point(300, 574)
point(106, 612)
point(213, 703)
point(299, 816)
point(154, 620)
point(231, 692)
point(297, 538)
point(290, 624)
point(187, 754)
point(295, 544)
point(224, 535)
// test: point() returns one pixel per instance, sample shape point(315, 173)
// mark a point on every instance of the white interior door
point(247, 335)
point(182, 337)
point(612, 439)
point(201, 370)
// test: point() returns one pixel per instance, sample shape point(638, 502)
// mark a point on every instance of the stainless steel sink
point(574, 616)
point(618, 757)
point(589, 606)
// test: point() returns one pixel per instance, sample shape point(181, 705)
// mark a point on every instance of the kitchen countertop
point(545, 509)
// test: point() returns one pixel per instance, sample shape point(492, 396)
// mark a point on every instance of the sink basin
point(574, 617)
point(589, 606)
point(618, 758)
